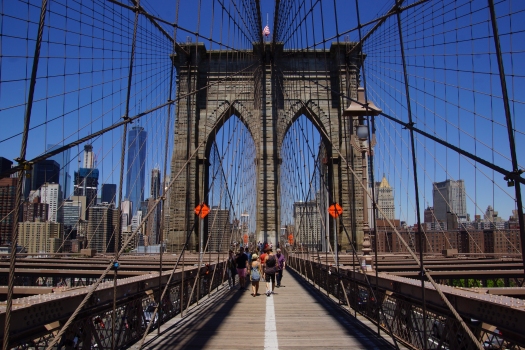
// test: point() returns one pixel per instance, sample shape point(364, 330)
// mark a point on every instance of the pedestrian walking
point(249, 256)
point(231, 269)
point(281, 264)
point(241, 262)
point(269, 272)
point(255, 275)
point(262, 258)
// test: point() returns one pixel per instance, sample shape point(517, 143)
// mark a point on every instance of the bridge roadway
point(296, 316)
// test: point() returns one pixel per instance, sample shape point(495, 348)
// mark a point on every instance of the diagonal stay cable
point(410, 251)
point(94, 286)
point(58, 150)
point(410, 126)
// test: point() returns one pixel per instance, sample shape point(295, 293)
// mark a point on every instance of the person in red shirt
point(262, 258)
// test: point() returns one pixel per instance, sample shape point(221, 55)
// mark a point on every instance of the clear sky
point(455, 90)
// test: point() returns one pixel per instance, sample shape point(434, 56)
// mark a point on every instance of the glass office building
point(136, 166)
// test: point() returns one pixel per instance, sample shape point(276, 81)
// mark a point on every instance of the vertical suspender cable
point(336, 239)
point(515, 171)
point(163, 189)
point(21, 160)
point(122, 158)
point(414, 165)
point(371, 155)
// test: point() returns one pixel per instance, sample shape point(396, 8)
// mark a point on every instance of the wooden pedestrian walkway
point(296, 316)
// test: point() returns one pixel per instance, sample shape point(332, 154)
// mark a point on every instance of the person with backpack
point(255, 275)
point(269, 272)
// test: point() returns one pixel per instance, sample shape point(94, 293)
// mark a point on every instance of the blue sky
point(453, 76)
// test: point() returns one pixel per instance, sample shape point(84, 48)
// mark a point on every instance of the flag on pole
point(266, 31)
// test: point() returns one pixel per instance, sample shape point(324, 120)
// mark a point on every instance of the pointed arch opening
point(230, 185)
point(305, 184)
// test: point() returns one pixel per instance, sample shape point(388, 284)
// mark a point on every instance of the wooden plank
point(233, 319)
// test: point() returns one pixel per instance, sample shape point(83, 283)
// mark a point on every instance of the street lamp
point(359, 141)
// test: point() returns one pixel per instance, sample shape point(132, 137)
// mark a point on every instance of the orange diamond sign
point(202, 210)
point(335, 210)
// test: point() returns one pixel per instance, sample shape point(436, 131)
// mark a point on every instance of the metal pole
point(114, 314)
point(201, 242)
point(515, 170)
point(335, 245)
point(414, 166)
point(21, 160)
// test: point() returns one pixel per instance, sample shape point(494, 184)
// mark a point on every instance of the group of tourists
point(255, 267)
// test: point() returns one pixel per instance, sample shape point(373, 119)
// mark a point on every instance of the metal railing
point(93, 327)
point(401, 315)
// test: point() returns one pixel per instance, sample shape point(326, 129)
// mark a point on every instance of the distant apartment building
point(219, 230)
point(73, 213)
point(50, 193)
point(35, 210)
point(153, 222)
point(428, 215)
point(466, 241)
point(152, 231)
point(102, 225)
point(40, 237)
point(126, 208)
point(449, 197)
point(7, 204)
point(307, 223)
point(133, 241)
point(385, 200)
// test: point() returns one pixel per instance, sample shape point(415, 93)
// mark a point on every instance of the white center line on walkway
point(270, 334)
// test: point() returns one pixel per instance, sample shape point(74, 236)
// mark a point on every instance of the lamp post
point(359, 141)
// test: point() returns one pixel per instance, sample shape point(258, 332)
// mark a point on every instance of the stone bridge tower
point(267, 88)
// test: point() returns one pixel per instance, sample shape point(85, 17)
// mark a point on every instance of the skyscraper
point(385, 200)
point(109, 192)
point(63, 161)
point(52, 195)
point(219, 230)
point(153, 222)
point(155, 183)
point(7, 204)
point(89, 158)
point(71, 211)
point(103, 221)
point(5, 164)
point(126, 208)
point(86, 184)
point(307, 222)
point(136, 168)
point(449, 197)
point(44, 171)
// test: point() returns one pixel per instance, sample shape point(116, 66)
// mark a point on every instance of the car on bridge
point(494, 340)
point(148, 314)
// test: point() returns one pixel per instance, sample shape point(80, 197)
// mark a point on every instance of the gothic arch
point(220, 115)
